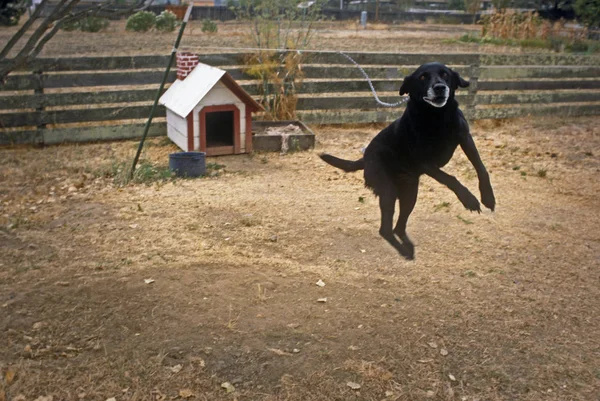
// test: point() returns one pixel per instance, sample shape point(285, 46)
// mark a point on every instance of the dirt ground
point(406, 37)
point(497, 306)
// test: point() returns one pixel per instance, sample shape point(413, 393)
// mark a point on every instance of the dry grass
point(410, 38)
point(511, 297)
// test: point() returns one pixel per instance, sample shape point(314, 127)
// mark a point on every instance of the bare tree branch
point(23, 56)
point(59, 11)
point(11, 43)
point(60, 15)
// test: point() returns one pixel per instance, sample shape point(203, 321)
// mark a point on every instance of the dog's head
point(432, 83)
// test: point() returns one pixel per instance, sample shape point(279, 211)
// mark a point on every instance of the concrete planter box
point(272, 136)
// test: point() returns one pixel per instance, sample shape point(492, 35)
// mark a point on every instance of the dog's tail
point(346, 165)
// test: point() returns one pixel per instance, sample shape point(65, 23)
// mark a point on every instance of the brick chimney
point(185, 64)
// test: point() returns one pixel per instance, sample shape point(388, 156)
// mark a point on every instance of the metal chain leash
point(404, 100)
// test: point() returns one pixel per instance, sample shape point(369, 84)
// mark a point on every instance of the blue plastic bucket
point(188, 164)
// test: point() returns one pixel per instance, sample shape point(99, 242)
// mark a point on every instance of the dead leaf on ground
point(228, 387)
point(9, 376)
point(176, 368)
point(198, 360)
point(39, 325)
point(353, 386)
point(186, 393)
point(279, 352)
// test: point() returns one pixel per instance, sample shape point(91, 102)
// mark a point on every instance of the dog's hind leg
point(387, 202)
point(407, 196)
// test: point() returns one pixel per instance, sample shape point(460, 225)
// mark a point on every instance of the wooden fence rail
point(99, 98)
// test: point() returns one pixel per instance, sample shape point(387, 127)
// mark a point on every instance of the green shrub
point(209, 26)
point(93, 24)
point(456, 5)
point(583, 46)
point(142, 21)
point(589, 12)
point(70, 26)
point(166, 21)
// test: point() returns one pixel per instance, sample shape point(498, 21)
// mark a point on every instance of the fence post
point(38, 90)
point(473, 79)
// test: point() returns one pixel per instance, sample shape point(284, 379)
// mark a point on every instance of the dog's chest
point(435, 149)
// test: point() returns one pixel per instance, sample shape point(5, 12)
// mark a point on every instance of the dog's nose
point(440, 88)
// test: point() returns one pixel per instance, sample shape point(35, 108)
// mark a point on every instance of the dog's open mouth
point(436, 101)
point(437, 95)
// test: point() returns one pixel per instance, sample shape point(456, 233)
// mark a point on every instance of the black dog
point(420, 142)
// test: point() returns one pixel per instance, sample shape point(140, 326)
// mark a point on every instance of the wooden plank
point(353, 102)
point(106, 79)
point(347, 72)
point(363, 58)
point(414, 59)
point(50, 64)
point(77, 98)
point(66, 80)
point(8, 138)
point(337, 86)
point(514, 112)
point(35, 118)
point(538, 98)
point(58, 64)
point(538, 85)
point(539, 59)
point(389, 115)
point(557, 72)
point(223, 59)
point(102, 133)
point(349, 116)
point(356, 116)
point(81, 134)
point(20, 82)
point(24, 119)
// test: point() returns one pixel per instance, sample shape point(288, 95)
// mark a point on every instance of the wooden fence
point(101, 98)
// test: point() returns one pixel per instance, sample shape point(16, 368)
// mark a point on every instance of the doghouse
point(207, 110)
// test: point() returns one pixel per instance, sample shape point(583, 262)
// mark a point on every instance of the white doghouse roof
point(183, 96)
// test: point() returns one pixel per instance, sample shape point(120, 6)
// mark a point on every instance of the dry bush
point(276, 25)
point(278, 74)
point(511, 24)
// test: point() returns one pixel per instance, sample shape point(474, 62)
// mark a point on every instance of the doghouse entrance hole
point(219, 129)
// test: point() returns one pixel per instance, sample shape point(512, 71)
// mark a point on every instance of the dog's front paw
point(488, 199)
point(469, 201)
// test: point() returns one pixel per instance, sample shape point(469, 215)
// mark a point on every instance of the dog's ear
point(407, 85)
point(458, 81)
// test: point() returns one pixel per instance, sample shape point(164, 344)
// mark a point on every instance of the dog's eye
point(444, 75)
point(422, 77)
